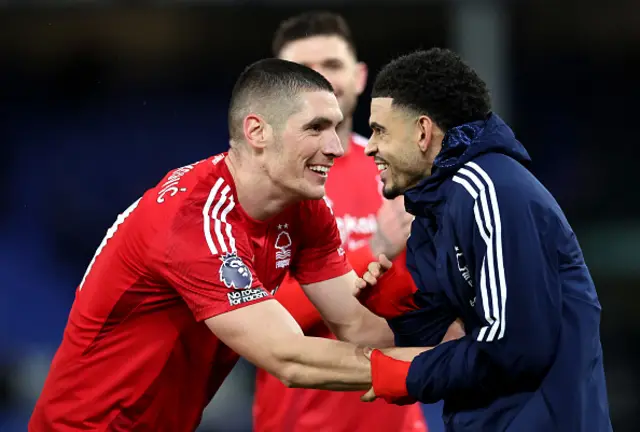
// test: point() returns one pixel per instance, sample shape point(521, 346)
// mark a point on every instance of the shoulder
point(199, 196)
point(315, 210)
point(492, 175)
point(315, 217)
point(496, 184)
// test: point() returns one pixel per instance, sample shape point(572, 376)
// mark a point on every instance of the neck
point(257, 194)
point(434, 149)
point(344, 131)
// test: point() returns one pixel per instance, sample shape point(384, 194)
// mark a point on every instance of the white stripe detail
point(225, 212)
point(110, 233)
point(498, 222)
point(216, 219)
point(474, 194)
point(494, 311)
point(207, 219)
point(493, 314)
point(220, 239)
point(485, 298)
point(466, 185)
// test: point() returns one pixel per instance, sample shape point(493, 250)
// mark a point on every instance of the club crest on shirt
point(283, 246)
point(234, 273)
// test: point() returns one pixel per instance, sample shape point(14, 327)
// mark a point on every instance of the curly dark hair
point(308, 24)
point(438, 83)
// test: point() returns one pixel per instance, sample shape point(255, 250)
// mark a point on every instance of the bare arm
point(267, 336)
point(344, 315)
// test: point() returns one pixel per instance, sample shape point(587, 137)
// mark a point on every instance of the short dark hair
point(309, 24)
point(268, 85)
point(438, 83)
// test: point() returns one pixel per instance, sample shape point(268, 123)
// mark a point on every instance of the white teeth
point(319, 169)
point(382, 167)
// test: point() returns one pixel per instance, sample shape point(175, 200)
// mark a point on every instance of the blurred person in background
point(369, 226)
point(183, 281)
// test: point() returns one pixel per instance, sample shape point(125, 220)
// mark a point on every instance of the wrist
point(389, 376)
point(375, 246)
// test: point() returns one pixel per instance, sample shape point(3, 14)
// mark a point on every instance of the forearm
point(310, 362)
point(344, 315)
point(370, 330)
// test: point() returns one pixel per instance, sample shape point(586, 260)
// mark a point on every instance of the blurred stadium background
point(98, 99)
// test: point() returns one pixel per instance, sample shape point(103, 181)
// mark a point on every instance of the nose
point(333, 146)
point(371, 148)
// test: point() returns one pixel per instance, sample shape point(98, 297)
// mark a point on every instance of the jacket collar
point(460, 145)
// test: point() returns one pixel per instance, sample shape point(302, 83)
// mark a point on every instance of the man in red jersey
point(368, 225)
point(183, 281)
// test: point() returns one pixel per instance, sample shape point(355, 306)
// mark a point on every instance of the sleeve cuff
point(389, 377)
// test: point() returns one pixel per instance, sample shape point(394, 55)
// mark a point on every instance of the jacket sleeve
point(427, 324)
point(507, 237)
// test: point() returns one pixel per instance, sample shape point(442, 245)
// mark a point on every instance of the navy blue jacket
point(491, 246)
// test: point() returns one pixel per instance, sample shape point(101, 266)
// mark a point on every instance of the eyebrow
point(332, 61)
point(321, 122)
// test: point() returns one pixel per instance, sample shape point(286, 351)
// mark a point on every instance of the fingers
point(374, 269)
point(369, 278)
point(367, 352)
point(369, 396)
point(385, 263)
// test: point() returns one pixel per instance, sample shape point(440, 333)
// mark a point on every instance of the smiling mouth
point(322, 170)
point(382, 167)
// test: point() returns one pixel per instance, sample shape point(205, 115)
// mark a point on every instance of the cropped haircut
point(309, 24)
point(437, 83)
point(270, 87)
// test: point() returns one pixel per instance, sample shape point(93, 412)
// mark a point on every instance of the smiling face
point(331, 56)
point(400, 145)
point(303, 151)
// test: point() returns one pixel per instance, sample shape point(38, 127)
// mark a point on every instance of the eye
point(316, 128)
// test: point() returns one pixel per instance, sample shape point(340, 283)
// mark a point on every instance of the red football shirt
point(136, 354)
point(354, 193)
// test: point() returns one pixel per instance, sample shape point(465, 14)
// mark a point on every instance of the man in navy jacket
point(491, 246)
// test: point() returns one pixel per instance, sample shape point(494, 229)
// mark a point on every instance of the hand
point(455, 331)
point(375, 270)
point(394, 226)
point(385, 290)
point(388, 370)
point(369, 396)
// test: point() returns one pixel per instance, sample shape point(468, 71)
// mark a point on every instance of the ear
point(424, 128)
point(362, 73)
point(256, 131)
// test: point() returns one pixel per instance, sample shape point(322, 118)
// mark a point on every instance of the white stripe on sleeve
point(493, 289)
point(220, 239)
